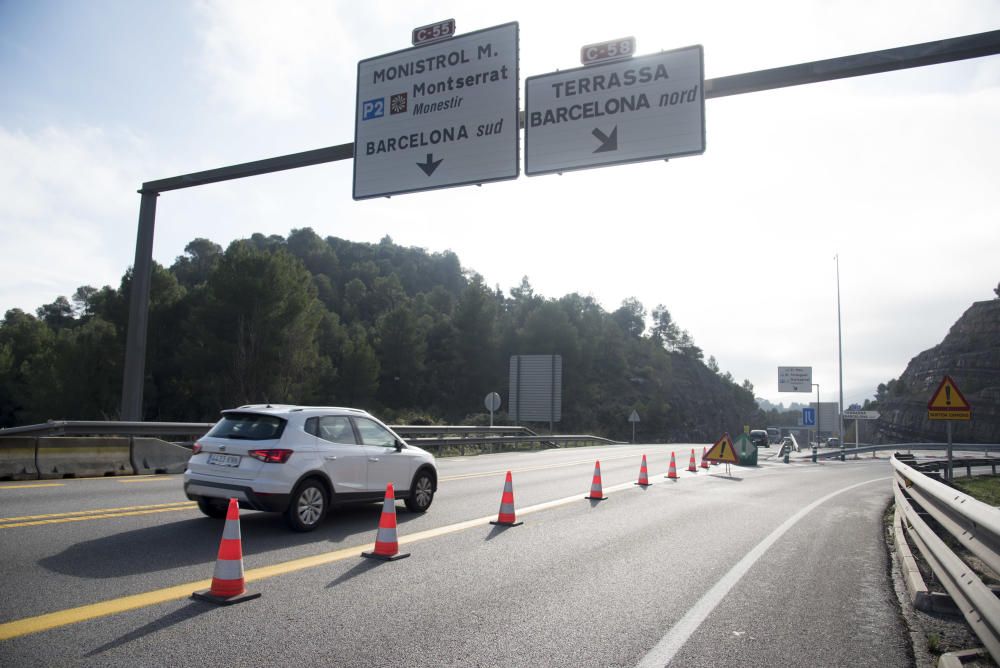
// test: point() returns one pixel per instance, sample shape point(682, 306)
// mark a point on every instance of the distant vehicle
point(789, 443)
point(299, 460)
point(833, 442)
point(773, 435)
point(759, 438)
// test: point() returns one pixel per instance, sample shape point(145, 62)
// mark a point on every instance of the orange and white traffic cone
point(672, 471)
point(596, 492)
point(704, 462)
point(692, 466)
point(228, 586)
point(386, 544)
point(643, 474)
point(505, 517)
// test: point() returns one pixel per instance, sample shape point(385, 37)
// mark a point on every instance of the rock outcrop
point(970, 354)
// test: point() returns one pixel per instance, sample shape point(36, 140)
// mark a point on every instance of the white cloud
point(273, 59)
point(66, 198)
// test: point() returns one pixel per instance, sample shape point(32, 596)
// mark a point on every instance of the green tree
point(631, 317)
point(665, 331)
point(401, 349)
point(255, 335)
point(26, 346)
point(358, 370)
point(195, 266)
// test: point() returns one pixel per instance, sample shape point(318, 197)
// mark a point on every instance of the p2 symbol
point(373, 109)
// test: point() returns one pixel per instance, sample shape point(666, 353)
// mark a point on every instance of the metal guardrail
point(872, 449)
point(461, 443)
point(974, 523)
point(427, 436)
point(108, 428)
point(420, 430)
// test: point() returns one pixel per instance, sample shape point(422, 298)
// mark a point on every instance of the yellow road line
point(143, 479)
point(95, 517)
point(96, 514)
point(30, 485)
point(117, 478)
point(60, 618)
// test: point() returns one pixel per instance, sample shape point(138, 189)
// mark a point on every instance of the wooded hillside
point(405, 333)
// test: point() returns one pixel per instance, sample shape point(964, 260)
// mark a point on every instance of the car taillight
point(272, 456)
point(196, 448)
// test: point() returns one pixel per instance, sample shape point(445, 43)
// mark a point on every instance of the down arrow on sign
point(430, 165)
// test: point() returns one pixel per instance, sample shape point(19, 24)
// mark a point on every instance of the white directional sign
point(795, 378)
point(851, 414)
point(438, 115)
point(646, 108)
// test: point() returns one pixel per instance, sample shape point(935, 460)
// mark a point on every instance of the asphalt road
point(783, 564)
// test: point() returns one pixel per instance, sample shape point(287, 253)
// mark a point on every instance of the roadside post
point(634, 419)
point(855, 413)
point(492, 402)
point(948, 403)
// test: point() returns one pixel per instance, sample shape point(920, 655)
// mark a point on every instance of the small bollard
point(815, 457)
point(787, 450)
point(841, 452)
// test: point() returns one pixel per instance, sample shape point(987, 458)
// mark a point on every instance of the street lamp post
point(840, 356)
point(816, 385)
point(815, 446)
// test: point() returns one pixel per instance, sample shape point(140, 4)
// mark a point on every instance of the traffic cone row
point(506, 516)
point(672, 471)
point(596, 491)
point(643, 474)
point(386, 543)
point(228, 585)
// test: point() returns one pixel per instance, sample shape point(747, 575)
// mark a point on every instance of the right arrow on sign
point(430, 165)
point(608, 142)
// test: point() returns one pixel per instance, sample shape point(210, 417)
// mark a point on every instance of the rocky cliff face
point(970, 354)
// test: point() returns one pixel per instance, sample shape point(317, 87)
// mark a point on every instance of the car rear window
point(248, 426)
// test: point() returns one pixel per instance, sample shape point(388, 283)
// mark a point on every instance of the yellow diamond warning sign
point(723, 451)
point(948, 403)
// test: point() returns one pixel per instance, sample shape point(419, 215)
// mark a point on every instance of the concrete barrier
point(17, 458)
point(151, 455)
point(63, 457)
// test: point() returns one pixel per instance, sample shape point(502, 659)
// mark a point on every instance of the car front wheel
point(421, 493)
point(308, 506)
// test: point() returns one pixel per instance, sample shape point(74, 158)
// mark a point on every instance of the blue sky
point(895, 172)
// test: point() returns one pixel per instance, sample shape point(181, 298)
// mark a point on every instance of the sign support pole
point(950, 471)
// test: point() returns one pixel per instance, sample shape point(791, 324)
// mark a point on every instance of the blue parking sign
point(808, 417)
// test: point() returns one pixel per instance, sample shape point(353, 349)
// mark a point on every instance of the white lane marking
point(665, 650)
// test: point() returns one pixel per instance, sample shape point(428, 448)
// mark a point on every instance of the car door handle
point(373, 459)
point(330, 457)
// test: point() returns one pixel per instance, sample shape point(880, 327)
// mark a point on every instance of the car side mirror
point(399, 445)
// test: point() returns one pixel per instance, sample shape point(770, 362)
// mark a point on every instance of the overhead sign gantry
point(437, 115)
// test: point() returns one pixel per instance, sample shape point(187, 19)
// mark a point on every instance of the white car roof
point(282, 409)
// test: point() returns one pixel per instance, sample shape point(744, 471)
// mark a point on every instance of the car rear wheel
point(308, 506)
point(421, 493)
point(214, 508)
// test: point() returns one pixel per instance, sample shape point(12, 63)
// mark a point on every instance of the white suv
point(299, 460)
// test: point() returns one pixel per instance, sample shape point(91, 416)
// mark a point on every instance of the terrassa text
point(589, 84)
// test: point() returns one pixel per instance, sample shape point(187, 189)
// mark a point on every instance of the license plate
point(223, 460)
